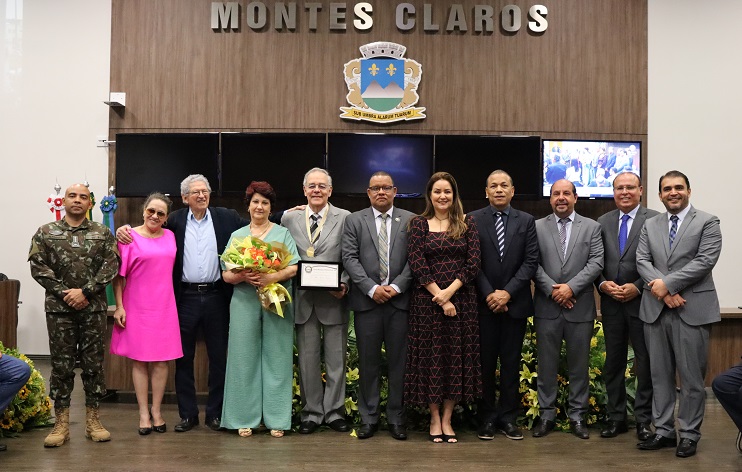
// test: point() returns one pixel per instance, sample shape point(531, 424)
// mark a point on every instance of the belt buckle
point(202, 288)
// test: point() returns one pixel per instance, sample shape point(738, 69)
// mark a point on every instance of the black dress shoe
point(542, 428)
point(614, 428)
point(186, 424)
point(657, 442)
point(3, 447)
point(510, 431)
point(214, 423)
point(643, 431)
point(686, 448)
point(579, 429)
point(739, 442)
point(339, 425)
point(486, 432)
point(307, 427)
point(160, 429)
point(145, 431)
point(367, 430)
point(398, 431)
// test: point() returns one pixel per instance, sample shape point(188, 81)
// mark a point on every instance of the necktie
point(313, 228)
point(673, 228)
point(563, 235)
point(623, 233)
point(500, 230)
point(383, 249)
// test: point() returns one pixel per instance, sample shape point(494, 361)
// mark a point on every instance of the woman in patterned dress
point(443, 366)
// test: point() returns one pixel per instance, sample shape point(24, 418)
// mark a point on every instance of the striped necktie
point(383, 249)
point(673, 228)
point(313, 228)
point(563, 235)
point(500, 230)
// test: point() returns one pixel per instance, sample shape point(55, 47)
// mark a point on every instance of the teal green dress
point(258, 383)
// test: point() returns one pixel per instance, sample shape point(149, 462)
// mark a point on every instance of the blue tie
point(673, 228)
point(623, 233)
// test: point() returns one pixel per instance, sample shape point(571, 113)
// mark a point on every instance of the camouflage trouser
point(73, 337)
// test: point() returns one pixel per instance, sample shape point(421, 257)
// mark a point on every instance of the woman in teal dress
point(258, 383)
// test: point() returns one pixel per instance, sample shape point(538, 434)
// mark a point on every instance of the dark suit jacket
point(518, 266)
point(361, 258)
point(582, 265)
point(225, 221)
point(626, 262)
point(685, 268)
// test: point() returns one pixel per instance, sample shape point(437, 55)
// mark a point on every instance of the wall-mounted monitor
point(590, 165)
point(148, 162)
point(281, 159)
point(352, 158)
point(470, 159)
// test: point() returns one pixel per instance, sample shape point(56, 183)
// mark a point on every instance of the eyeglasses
point(152, 211)
point(318, 186)
point(628, 188)
point(196, 193)
point(377, 189)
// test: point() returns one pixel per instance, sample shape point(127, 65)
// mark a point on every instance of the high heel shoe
point(145, 431)
point(157, 429)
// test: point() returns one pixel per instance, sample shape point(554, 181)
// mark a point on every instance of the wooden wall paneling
point(9, 312)
point(586, 73)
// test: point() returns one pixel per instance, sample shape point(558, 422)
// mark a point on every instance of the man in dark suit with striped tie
point(510, 254)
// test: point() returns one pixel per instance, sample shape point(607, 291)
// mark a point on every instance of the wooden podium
point(9, 291)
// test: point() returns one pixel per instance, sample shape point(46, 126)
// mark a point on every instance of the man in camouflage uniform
point(74, 259)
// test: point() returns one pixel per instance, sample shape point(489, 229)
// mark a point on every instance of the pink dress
point(152, 331)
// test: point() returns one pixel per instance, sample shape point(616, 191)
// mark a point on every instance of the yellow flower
point(351, 376)
point(527, 375)
point(593, 342)
point(350, 405)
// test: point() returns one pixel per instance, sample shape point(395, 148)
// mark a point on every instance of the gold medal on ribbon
point(310, 251)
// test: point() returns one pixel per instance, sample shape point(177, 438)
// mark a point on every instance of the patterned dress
point(443, 352)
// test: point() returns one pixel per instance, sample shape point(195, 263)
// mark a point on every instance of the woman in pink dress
point(146, 329)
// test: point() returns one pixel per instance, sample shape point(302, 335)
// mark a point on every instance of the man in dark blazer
point(620, 288)
point(571, 258)
point(677, 252)
point(509, 245)
point(201, 235)
point(321, 316)
point(379, 297)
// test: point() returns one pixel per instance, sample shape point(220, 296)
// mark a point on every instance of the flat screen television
point(470, 159)
point(590, 165)
point(148, 162)
point(281, 159)
point(352, 158)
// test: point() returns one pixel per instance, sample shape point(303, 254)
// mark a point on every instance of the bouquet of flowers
point(257, 255)
point(31, 406)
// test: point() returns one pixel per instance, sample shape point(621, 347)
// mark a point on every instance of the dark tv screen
point(281, 159)
point(470, 159)
point(148, 162)
point(352, 158)
point(590, 165)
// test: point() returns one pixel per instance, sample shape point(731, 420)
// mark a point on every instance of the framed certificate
point(319, 275)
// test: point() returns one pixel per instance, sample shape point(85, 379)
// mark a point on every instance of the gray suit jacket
point(361, 258)
point(330, 310)
point(581, 266)
point(685, 269)
point(626, 262)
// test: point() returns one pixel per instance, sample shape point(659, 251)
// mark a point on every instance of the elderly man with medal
point(321, 310)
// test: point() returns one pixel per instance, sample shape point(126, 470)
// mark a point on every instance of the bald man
point(74, 259)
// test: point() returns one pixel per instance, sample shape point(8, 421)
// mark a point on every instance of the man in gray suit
point(321, 316)
point(620, 290)
point(571, 258)
point(676, 254)
point(375, 257)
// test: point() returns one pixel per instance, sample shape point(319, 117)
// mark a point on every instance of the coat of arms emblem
point(382, 85)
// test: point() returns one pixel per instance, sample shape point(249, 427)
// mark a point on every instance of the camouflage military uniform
point(64, 257)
